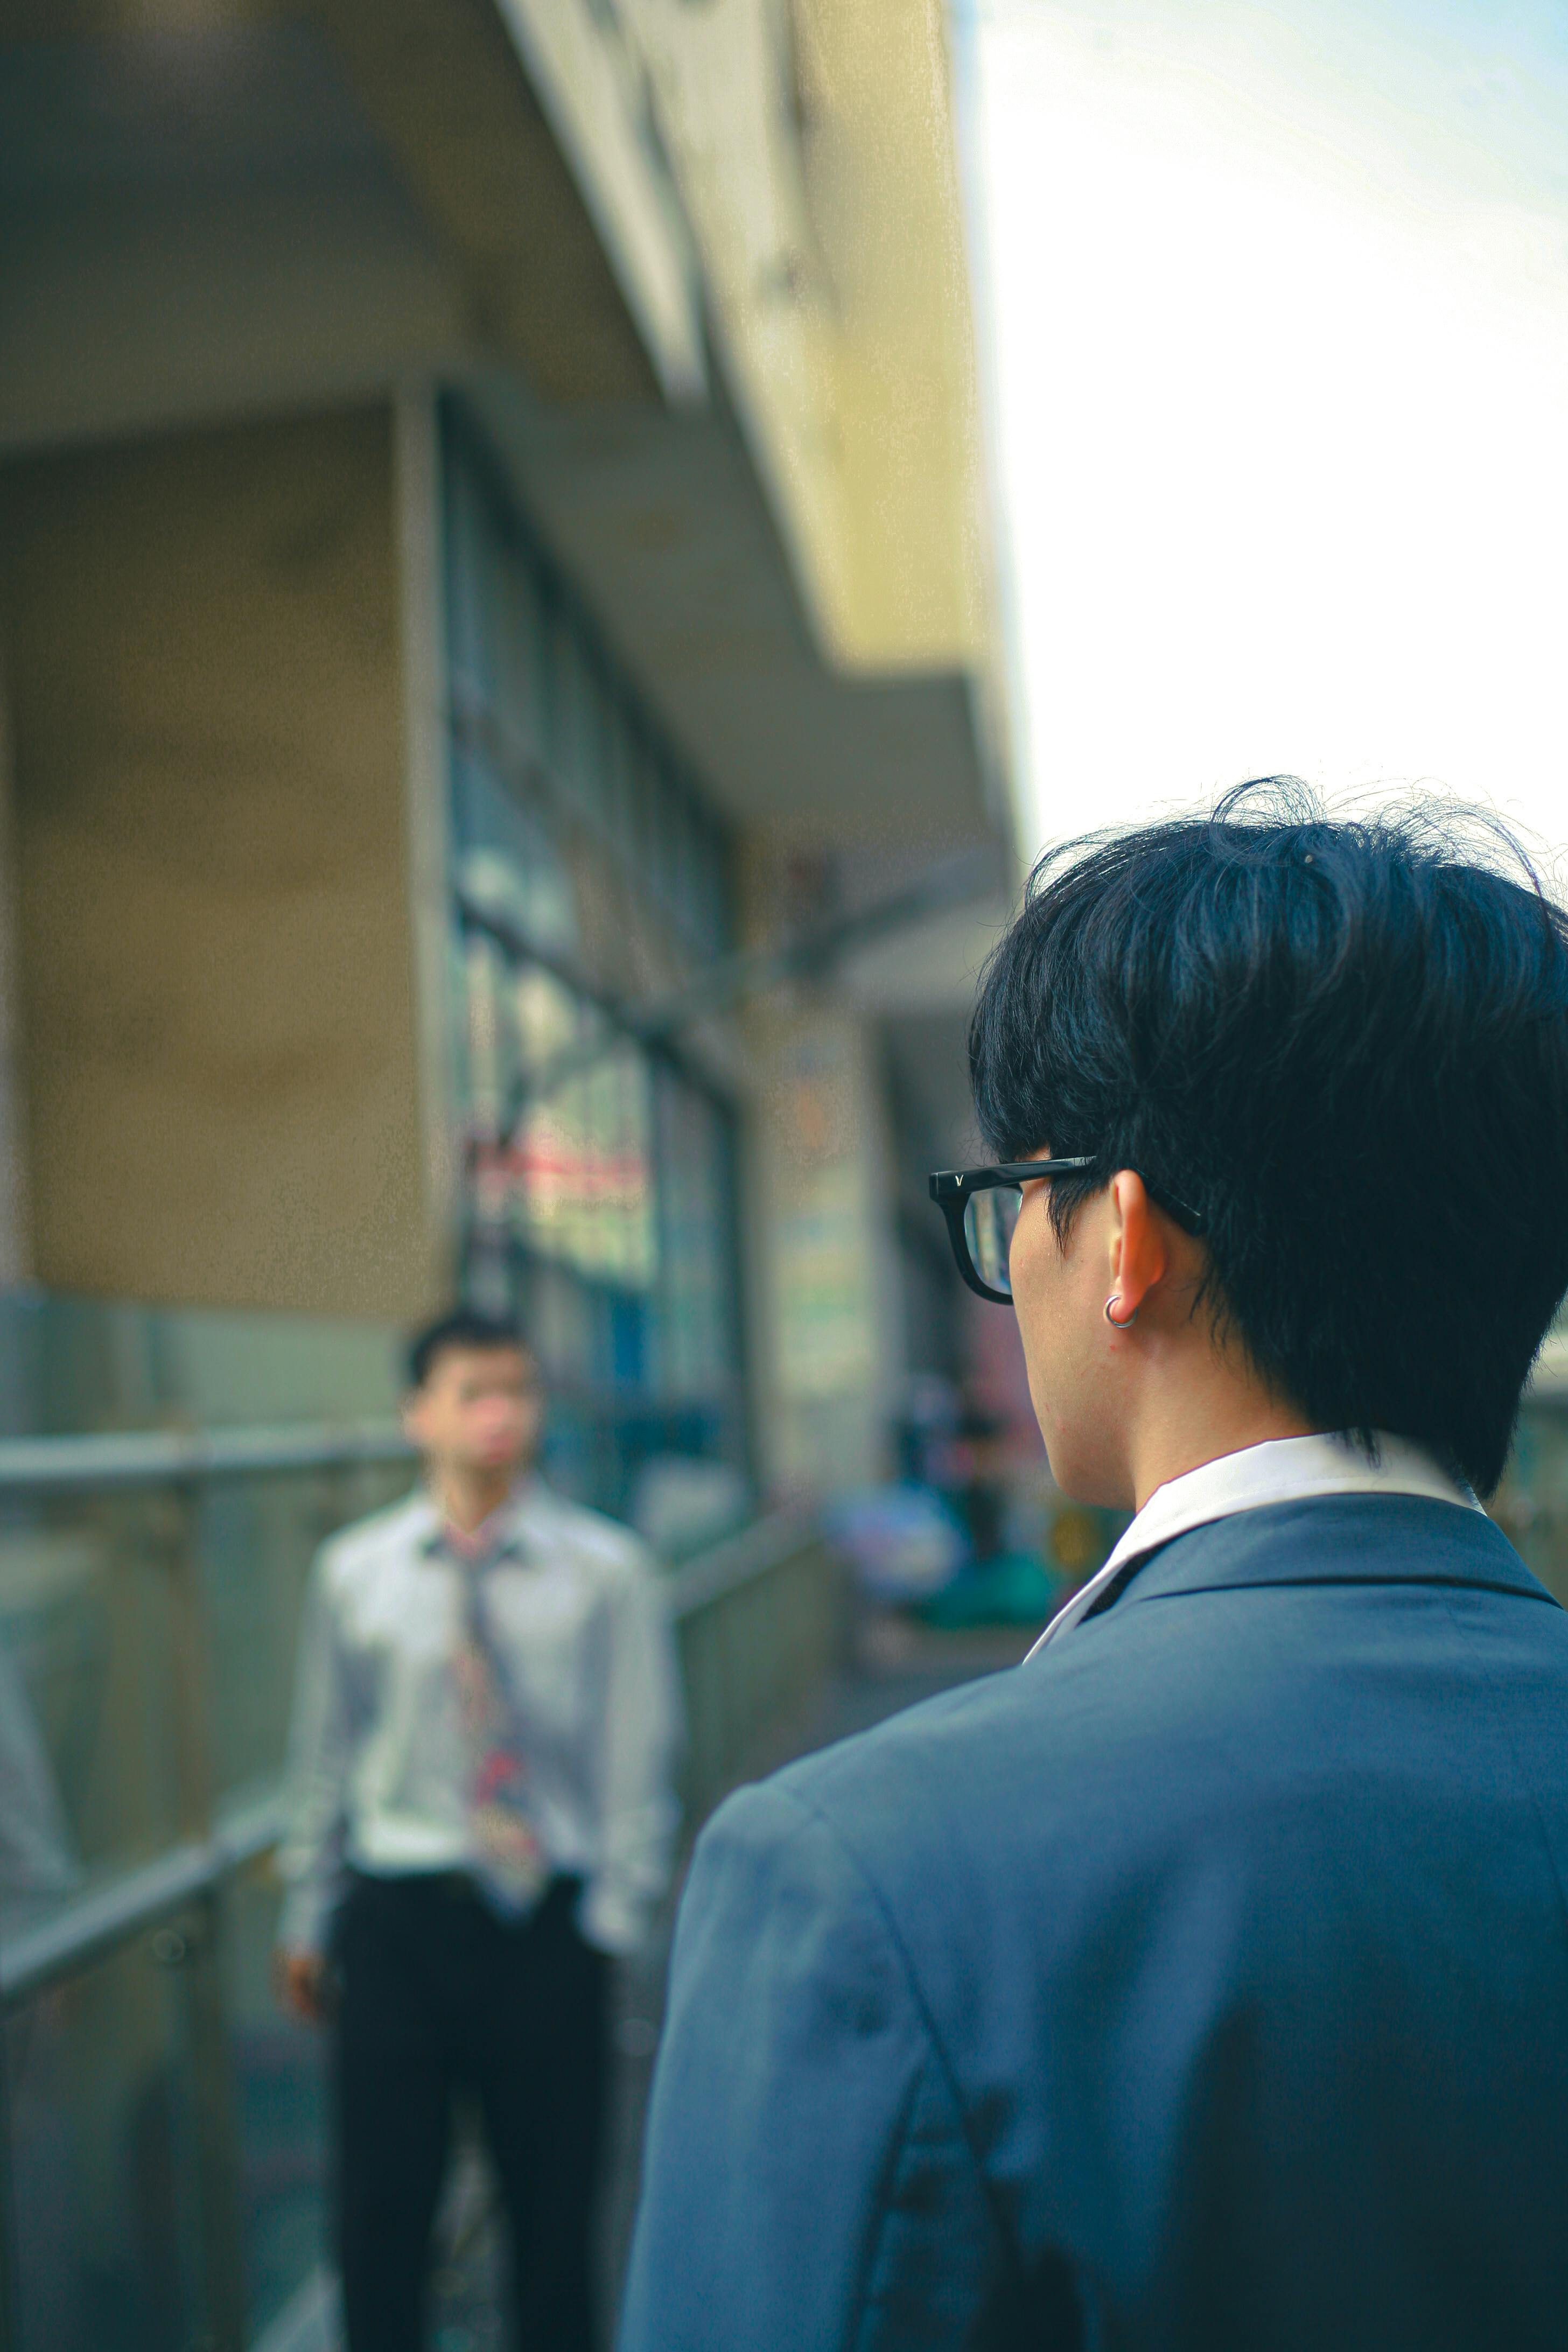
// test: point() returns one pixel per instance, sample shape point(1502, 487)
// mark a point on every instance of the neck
point(1205, 1411)
point(466, 1496)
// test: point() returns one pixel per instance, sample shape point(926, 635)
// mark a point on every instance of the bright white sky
point(1277, 348)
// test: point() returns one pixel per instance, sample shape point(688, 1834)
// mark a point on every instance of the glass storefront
point(589, 878)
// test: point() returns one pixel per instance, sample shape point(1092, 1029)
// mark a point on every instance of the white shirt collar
point(1280, 1470)
point(502, 1530)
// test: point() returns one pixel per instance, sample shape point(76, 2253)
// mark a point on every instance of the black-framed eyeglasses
point(980, 1206)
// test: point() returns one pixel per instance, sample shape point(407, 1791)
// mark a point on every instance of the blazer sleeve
point(806, 2179)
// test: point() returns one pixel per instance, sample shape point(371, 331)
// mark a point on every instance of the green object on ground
point(1014, 1589)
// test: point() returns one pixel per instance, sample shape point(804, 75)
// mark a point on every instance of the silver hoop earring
point(1126, 1323)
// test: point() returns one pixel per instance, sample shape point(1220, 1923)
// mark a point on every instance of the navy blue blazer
point(1202, 1982)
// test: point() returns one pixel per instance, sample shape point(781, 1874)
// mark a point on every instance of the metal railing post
point(10, 2301)
point(216, 2121)
point(200, 1957)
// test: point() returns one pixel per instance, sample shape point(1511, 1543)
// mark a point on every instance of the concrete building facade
point(437, 442)
point(502, 792)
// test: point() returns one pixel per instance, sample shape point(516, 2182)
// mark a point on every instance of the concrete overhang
point(222, 210)
point(657, 514)
point(235, 105)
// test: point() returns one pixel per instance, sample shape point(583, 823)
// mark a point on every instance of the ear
point(1139, 1254)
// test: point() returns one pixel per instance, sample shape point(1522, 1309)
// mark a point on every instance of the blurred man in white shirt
point(481, 1817)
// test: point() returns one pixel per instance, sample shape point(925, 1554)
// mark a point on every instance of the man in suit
point(1203, 1982)
point(480, 1820)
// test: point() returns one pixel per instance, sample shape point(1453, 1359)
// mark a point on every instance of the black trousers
point(436, 1994)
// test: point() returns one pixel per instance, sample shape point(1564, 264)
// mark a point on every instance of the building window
point(599, 1197)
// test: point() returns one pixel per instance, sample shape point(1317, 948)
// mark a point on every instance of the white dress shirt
point(380, 1762)
point(1280, 1470)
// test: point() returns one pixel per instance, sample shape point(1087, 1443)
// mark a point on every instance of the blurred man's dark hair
point(1345, 1044)
point(461, 1328)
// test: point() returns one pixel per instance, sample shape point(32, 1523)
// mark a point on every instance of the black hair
point(463, 1326)
point(1344, 1043)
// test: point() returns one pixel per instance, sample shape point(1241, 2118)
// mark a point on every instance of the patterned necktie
point(510, 1866)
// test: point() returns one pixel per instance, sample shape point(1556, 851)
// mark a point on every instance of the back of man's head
point(1346, 1044)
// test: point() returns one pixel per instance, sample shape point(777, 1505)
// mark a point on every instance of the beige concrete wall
point(218, 998)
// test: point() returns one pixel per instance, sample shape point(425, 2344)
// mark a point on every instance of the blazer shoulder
point(774, 1870)
point(1377, 1538)
point(945, 1774)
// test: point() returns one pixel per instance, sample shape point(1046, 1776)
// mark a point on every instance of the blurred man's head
point(475, 1403)
point(1345, 1045)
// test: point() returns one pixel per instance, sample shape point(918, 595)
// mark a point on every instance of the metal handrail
point(160, 1458)
point(92, 1924)
point(739, 1559)
point(89, 1924)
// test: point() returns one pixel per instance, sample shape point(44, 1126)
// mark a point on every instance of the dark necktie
point(510, 1866)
